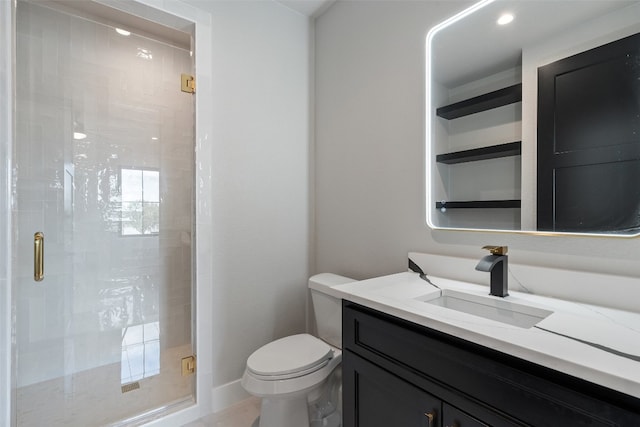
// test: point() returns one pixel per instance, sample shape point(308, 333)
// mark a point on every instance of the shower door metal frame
point(172, 14)
point(7, 379)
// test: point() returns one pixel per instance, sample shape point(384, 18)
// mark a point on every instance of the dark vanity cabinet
point(400, 374)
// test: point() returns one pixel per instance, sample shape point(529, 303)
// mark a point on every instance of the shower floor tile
point(95, 397)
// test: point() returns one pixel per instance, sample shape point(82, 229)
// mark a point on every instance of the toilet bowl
point(298, 377)
point(288, 385)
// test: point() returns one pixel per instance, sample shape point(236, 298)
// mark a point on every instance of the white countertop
point(598, 344)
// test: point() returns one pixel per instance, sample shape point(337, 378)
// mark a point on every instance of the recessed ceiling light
point(79, 135)
point(154, 138)
point(122, 32)
point(505, 19)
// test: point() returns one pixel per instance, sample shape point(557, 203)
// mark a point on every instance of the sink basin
point(491, 308)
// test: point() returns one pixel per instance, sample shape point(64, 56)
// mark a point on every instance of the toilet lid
point(289, 355)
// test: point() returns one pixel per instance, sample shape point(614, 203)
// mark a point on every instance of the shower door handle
point(38, 256)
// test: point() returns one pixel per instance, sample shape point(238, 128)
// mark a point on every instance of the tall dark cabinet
point(589, 140)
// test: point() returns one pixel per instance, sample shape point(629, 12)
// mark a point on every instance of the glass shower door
point(103, 183)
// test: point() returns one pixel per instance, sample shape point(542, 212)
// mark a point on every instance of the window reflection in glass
point(140, 192)
point(140, 352)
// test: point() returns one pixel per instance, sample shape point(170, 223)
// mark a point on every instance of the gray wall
point(369, 152)
point(260, 264)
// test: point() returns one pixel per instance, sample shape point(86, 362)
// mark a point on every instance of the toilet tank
point(327, 309)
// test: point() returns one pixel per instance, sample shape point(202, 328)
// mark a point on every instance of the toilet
point(299, 377)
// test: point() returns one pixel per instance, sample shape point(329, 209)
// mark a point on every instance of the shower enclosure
point(102, 212)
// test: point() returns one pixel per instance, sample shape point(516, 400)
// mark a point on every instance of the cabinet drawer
point(519, 390)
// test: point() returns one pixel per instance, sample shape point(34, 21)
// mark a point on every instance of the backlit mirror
point(533, 118)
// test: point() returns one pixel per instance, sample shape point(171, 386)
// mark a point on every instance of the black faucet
point(496, 264)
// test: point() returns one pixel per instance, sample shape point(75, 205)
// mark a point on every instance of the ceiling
point(476, 46)
point(311, 8)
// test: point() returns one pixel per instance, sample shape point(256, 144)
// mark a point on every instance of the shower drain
point(130, 387)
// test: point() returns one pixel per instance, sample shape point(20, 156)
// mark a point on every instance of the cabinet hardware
point(431, 416)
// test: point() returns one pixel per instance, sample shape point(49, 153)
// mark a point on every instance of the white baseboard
point(227, 395)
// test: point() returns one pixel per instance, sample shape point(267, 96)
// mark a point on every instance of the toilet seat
point(289, 357)
point(273, 386)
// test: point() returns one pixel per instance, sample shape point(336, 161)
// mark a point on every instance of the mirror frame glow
point(429, 107)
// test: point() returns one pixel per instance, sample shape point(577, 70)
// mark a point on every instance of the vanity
point(448, 354)
point(396, 373)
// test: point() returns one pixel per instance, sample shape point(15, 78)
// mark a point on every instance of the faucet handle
point(496, 250)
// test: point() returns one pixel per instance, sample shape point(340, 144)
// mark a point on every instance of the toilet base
point(332, 420)
point(272, 410)
point(284, 412)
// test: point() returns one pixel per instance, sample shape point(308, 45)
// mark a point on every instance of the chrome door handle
point(38, 256)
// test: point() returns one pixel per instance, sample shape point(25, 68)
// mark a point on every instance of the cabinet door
point(373, 397)
point(453, 417)
point(588, 140)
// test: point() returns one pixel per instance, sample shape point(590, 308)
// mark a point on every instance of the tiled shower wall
point(124, 92)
